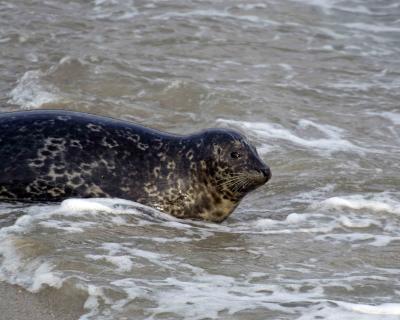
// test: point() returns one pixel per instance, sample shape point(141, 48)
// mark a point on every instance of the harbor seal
point(51, 155)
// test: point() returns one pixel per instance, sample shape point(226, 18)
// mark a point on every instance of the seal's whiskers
point(235, 182)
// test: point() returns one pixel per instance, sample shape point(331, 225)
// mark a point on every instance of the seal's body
point(52, 155)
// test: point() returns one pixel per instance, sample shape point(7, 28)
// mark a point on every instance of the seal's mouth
point(241, 183)
point(259, 177)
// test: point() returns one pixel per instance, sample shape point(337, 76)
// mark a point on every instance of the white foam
point(44, 275)
point(115, 9)
point(21, 224)
point(176, 287)
point(381, 203)
point(382, 309)
point(357, 223)
point(132, 290)
point(370, 212)
point(119, 220)
point(4, 40)
point(207, 295)
point(50, 216)
point(154, 239)
point(308, 197)
point(196, 296)
point(83, 205)
point(32, 92)
point(383, 241)
point(68, 226)
point(251, 6)
point(123, 263)
point(71, 216)
point(293, 218)
point(353, 85)
point(111, 206)
point(32, 275)
point(92, 302)
point(358, 239)
point(215, 14)
point(394, 117)
point(336, 310)
point(333, 141)
point(63, 216)
point(125, 249)
point(294, 223)
point(11, 260)
point(325, 5)
point(369, 27)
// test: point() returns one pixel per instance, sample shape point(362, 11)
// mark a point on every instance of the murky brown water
point(313, 83)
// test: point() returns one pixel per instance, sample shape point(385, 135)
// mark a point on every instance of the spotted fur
point(53, 155)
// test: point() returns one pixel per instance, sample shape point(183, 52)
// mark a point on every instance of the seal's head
point(204, 175)
point(235, 163)
point(232, 168)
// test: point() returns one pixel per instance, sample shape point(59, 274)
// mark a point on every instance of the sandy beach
point(18, 304)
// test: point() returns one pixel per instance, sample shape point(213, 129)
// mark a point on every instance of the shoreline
point(16, 303)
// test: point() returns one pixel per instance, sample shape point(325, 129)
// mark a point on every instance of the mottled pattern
point(53, 155)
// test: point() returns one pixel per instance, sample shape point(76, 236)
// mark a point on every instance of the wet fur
point(53, 155)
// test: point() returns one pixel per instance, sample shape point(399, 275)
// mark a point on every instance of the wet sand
point(18, 304)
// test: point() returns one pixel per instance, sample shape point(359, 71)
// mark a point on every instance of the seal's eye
point(235, 155)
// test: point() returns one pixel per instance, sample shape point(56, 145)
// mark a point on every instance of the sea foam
point(32, 91)
point(332, 142)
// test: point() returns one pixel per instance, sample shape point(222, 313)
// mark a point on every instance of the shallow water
point(313, 83)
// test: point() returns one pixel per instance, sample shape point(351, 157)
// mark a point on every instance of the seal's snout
point(266, 172)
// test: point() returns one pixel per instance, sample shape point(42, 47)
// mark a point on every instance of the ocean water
point(314, 84)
